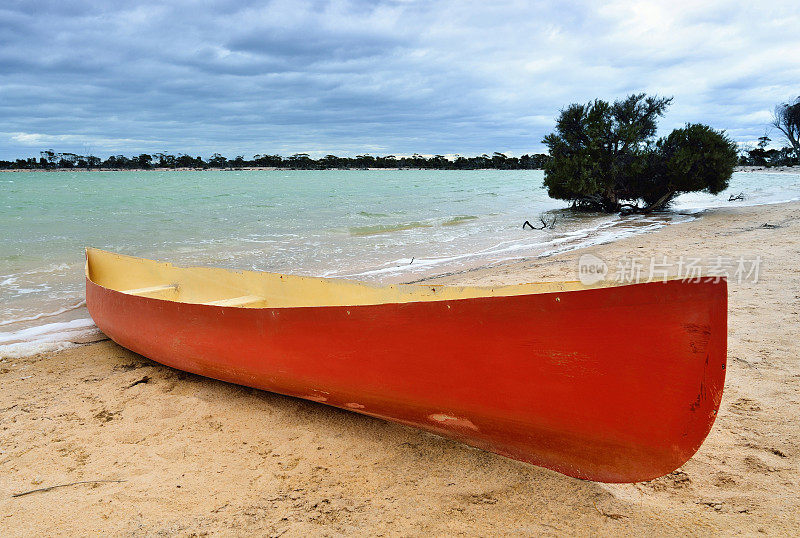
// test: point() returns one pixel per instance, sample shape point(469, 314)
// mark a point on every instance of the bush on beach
point(604, 157)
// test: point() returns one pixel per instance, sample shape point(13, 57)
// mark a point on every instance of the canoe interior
point(252, 289)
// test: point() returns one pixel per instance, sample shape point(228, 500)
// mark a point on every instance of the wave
point(52, 268)
point(600, 233)
point(44, 314)
point(45, 338)
point(48, 331)
point(386, 228)
point(458, 220)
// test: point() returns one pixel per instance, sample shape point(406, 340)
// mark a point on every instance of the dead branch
point(545, 223)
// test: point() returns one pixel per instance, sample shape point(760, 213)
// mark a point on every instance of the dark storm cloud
point(381, 77)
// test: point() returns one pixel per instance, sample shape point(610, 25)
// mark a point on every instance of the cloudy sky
point(382, 77)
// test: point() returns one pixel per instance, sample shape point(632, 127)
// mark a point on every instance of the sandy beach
point(142, 449)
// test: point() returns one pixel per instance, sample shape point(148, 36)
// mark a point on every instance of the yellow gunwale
point(254, 289)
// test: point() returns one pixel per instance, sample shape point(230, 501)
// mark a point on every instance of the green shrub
point(604, 157)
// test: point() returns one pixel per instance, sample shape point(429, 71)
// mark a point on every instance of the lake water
point(384, 226)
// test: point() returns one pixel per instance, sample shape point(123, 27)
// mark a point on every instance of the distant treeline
point(761, 156)
point(50, 160)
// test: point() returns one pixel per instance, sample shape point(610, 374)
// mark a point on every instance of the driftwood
point(544, 222)
point(733, 198)
point(63, 486)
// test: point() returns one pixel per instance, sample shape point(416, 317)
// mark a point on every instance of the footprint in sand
point(745, 405)
point(724, 480)
point(758, 465)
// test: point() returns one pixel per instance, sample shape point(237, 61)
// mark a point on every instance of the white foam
point(49, 331)
point(43, 338)
point(699, 207)
point(26, 349)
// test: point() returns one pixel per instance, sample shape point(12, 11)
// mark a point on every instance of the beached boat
point(615, 384)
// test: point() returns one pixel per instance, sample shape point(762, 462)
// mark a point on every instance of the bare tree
point(787, 120)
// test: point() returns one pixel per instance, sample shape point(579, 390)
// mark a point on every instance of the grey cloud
point(440, 77)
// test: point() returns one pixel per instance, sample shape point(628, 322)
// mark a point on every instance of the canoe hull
point(616, 384)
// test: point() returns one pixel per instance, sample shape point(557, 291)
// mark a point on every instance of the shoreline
point(256, 168)
point(194, 459)
point(62, 330)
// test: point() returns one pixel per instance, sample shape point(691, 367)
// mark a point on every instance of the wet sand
point(189, 455)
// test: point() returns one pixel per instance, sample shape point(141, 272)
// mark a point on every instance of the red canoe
point(615, 384)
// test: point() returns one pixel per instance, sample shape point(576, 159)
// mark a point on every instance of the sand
point(192, 456)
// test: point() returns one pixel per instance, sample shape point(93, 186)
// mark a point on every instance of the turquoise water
point(388, 226)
